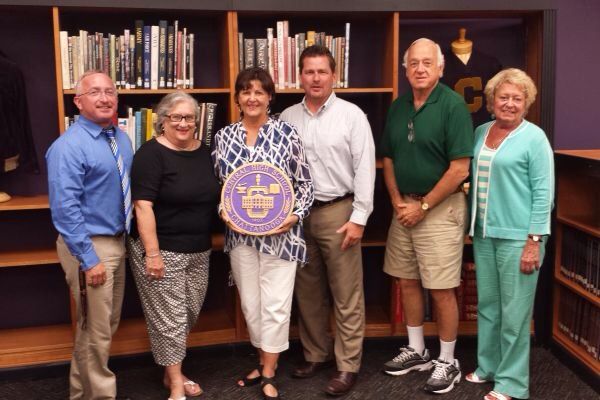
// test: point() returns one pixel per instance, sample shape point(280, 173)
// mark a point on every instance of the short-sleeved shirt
point(443, 132)
point(184, 190)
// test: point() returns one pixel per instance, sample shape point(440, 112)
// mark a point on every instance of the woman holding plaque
point(264, 266)
point(175, 194)
point(512, 186)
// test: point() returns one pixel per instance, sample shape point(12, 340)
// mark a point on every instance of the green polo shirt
point(443, 132)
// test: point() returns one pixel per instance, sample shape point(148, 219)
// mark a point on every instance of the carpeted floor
point(216, 369)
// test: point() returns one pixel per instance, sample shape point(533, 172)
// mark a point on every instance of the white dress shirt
point(340, 152)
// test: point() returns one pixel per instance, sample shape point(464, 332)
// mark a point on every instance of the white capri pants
point(266, 286)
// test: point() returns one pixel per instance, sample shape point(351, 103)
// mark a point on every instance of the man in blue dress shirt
point(89, 209)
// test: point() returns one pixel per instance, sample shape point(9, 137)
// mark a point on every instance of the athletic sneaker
point(445, 375)
point(408, 360)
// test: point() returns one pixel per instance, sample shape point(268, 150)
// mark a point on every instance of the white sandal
point(192, 383)
point(473, 378)
point(496, 396)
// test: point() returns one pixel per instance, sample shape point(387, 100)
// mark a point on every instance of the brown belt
point(419, 196)
point(319, 203)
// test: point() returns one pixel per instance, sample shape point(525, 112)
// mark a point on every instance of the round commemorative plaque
point(257, 198)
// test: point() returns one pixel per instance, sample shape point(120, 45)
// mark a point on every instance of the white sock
point(416, 339)
point(447, 351)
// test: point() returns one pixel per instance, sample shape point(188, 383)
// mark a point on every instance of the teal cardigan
point(521, 184)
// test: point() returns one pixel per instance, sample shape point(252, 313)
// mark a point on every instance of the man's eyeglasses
point(411, 131)
point(190, 119)
point(97, 93)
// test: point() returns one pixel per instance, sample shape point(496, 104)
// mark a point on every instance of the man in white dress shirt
point(341, 155)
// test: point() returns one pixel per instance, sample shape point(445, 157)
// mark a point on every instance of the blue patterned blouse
point(278, 143)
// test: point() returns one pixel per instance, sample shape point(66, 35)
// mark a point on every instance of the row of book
point(580, 259)
point(279, 54)
point(466, 295)
point(579, 320)
point(151, 57)
point(139, 125)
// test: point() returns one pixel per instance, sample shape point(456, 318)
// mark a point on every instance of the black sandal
point(269, 381)
point(251, 381)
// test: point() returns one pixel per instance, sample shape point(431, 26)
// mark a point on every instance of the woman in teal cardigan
point(512, 187)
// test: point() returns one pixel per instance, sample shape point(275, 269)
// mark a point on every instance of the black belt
point(319, 203)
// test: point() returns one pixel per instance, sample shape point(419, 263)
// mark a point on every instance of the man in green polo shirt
point(427, 145)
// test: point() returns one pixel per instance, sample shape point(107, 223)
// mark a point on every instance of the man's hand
point(96, 275)
point(410, 214)
point(354, 233)
point(287, 224)
point(530, 258)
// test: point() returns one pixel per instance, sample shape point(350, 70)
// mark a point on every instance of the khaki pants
point(90, 377)
point(331, 270)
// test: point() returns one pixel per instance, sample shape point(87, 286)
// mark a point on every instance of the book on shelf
point(579, 321)
point(147, 56)
point(580, 259)
point(279, 53)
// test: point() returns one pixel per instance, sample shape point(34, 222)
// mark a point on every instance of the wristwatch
point(424, 205)
point(535, 238)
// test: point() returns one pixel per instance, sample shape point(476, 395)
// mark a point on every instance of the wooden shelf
point(592, 154)
point(17, 203)
point(347, 90)
point(163, 91)
point(377, 321)
point(582, 226)
point(36, 345)
point(578, 289)
point(577, 350)
point(28, 257)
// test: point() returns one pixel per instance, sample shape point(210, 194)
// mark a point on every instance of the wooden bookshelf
point(18, 203)
point(28, 257)
point(578, 179)
point(376, 76)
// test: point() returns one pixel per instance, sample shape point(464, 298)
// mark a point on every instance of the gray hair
point(168, 103)
point(440, 55)
point(515, 77)
point(87, 73)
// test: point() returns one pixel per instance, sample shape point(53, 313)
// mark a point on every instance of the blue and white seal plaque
point(257, 198)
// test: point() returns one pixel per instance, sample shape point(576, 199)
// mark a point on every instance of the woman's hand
point(227, 221)
point(530, 258)
point(287, 224)
point(155, 266)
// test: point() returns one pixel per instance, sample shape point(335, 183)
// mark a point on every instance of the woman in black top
point(175, 195)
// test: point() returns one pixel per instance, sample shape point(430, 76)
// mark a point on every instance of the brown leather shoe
point(308, 369)
point(340, 383)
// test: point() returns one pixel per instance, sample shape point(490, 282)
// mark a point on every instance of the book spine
point(270, 52)
point(241, 60)
point(64, 59)
point(71, 72)
point(186, 65)
point(191, 72)
point(162, 54)
point(280, 55)
point(146, 64)
point(249, 53)
point(211, 111)
point(310, 38)
point(154, 57)
point(132, 76)
point(126, 60)
point(170, 55)
point(83, 51)
point(346, 55)
point(262, 59)
point(138, 129)
point(113, 58)
point(139, 53)
point(178, 57)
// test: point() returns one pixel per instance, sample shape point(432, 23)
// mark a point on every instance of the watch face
point(424, 206)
